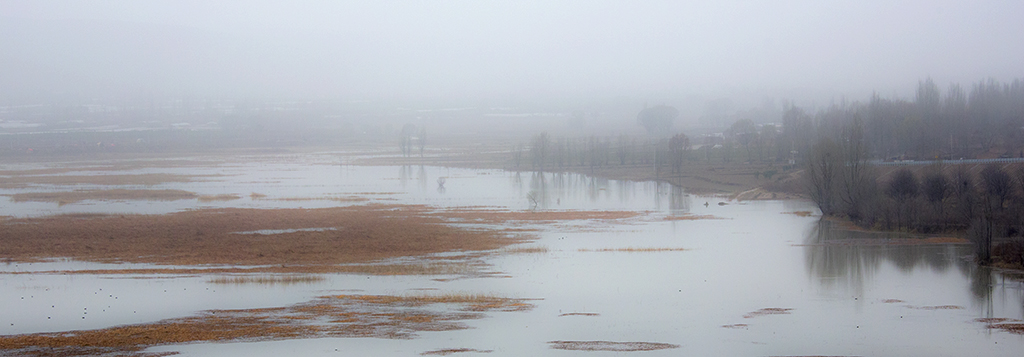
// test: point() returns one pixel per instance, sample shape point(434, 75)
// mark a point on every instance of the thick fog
point(454, 49)
point(503, 51)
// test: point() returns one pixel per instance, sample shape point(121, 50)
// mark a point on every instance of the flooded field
point(570, 265)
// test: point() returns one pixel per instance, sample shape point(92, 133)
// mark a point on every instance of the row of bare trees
point(985, 201)
point(986, 120)
point(547, 153)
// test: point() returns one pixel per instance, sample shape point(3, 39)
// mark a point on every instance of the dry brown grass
point(891, 301)
point(66, 197)
point(327, 316)
point(635, 250)
point(800, 213)
point(735, 326)
point(768, 311)
point(938, 307)
point(579, 314)
point(369, 233)
point(219, 197)
point(1001, 323)
point(323, 198)
point(470, 301)
point(267, 279)
point(257, 196)
point(609, 346)
point(524, 250)
point(140, 179)
point(429, 268)
point(448, 351)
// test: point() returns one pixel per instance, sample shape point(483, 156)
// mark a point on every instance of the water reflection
point(553, 190)
point(841, 259)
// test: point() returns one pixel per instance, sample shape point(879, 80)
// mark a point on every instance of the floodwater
point(845, 299)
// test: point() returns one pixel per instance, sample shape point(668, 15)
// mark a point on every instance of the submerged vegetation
point(66, 197)
point(380, 316)
point(610, 346)
point(267, 279)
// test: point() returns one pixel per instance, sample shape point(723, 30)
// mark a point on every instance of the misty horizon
point(466, 53)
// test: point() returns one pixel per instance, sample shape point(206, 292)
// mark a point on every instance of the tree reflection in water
point(843, 259)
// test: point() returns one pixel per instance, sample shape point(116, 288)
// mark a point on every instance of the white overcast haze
point(453, 50)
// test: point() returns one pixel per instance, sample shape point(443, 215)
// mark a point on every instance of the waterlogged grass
point(426, 268)
point(768, 311)
point(800, 213)
point(206, 236)
point(378, 316)
point(67, 197)
point(219, 197)
point(1013, 326)
point(610, 346)
point(524, 250)
point(267, 279)
point(448, 351)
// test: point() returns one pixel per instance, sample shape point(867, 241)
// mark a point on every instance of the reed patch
point(206, 236)
point(609, 346)
point(397, 317)
point(768, 311)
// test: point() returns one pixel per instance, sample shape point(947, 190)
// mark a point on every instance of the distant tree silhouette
point(657, 119)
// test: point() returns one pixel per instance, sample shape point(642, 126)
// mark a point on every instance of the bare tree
point(936, 189)
point(539, 150)
point(964, 191)
point(902, 188)
point(822, 168)
point(679, 146)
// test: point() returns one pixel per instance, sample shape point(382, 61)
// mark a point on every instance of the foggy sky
point(503, 49)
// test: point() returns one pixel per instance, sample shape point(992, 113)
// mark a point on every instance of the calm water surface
point(756, 255)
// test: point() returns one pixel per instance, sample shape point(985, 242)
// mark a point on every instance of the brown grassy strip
point(523, 250)
point(140, 179)
point(430, 268)
point(327, 316)
point(267, 279)
point(939, 307)
point(800, 213)
point(768, 311)
point(579, 314)
point(992, 320)
point(891, 301)
point(207, 236)
point(219, 197)
point(324, 198)
point(448, 351)
point(634, 250)
point(735, 326)
point(610, 346)
point(1011, 327)
point(66, 197)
